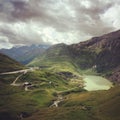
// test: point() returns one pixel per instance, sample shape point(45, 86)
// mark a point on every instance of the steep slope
point(8, 64)
point(103, 52)
point(25, 54)
point(106, 49)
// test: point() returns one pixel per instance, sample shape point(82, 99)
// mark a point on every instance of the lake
point(93, 83)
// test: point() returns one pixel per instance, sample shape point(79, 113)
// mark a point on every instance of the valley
point(68, 82)
point(59, 59)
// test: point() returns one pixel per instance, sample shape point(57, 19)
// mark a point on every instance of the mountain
point(57, 90)
point(56, 58)
point(25, 54)
point(8, 64)
point(101, 53)
point(106, 49)
point(104, 53)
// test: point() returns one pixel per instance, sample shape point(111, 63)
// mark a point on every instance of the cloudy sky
point(25, 22)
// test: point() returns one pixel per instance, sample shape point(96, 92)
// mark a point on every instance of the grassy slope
point(99, 105)
point(14, 100)
point(8, 64)
point(105, 104)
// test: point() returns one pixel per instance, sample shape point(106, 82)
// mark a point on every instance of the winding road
point(14, 82)
point(18, 71)
point(23, 72)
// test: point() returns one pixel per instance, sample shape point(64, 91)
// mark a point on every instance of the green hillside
point(8, 64)
point(56, 58)
point(47, 85)
point(59, 58)
point(98, 105)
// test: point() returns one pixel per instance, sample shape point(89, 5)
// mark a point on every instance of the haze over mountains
point(25, 54)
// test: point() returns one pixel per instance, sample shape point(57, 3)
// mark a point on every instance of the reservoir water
point(93, 83)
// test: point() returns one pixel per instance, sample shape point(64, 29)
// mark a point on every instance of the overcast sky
point(25, 22)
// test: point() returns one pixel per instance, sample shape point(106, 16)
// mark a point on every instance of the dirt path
point(20, 71)
point(56, 102)
point(15, 72)
point(14, 82)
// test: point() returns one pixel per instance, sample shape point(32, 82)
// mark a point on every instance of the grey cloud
point(88, 19)
point(43, 11)
point(24, 35)
point(64, 16)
